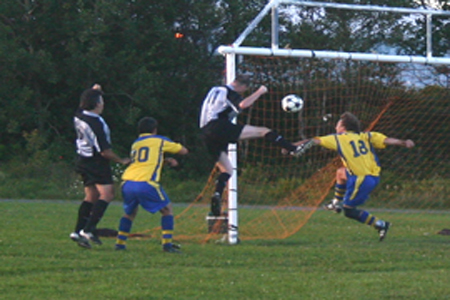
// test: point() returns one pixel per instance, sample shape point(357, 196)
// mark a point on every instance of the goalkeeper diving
point(362, 169)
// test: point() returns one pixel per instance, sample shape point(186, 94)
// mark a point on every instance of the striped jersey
point(357, 150)
point(93, 134)
point(147, 157)
point(220, 102)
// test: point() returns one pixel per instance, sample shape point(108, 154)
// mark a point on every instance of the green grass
point(329, 258)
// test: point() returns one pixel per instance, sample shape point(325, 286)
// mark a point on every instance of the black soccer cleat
point(382, 231)
point(171, 249)
point(176, 246)
point(81, 241)
point(216, 204)
point(96, 240)
point(91, 237)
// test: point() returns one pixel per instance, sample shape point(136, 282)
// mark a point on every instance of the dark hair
point(350, 122)
point(243, 79)
point(90, 98)
point(147, 125)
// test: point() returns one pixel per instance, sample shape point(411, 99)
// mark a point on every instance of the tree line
point(153, 58)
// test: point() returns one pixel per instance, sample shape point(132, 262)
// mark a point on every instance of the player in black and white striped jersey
point(220, 106)
point(94, 153)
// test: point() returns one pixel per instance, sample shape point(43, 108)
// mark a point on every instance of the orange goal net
point(277, 194)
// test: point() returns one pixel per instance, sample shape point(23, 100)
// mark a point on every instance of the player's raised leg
point(358, 191)
point(253, 132)
point(365, 217)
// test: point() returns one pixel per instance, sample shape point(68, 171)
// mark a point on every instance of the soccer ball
point(291, 103)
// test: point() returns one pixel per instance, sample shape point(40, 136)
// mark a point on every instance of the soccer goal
point(271, 196)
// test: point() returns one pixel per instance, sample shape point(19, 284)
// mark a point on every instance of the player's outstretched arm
point(397, 142)
point(172, 162)
point(183, 151)
point(315, 141)
point(109, 154)
point(247, 102)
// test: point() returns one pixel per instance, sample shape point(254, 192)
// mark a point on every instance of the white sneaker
point(333, 205)
point(382, 227)
point(74, 236)
point(81, 241)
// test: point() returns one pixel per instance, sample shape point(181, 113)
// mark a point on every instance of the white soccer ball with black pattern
point(292, 103)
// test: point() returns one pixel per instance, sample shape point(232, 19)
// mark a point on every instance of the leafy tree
point(51, 51)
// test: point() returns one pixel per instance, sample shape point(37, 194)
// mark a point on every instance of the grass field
point(329, 258)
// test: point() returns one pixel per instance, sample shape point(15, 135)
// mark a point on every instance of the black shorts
point(94, 171)
point(217, 134)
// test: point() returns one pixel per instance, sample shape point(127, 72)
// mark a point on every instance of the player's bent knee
point(341, 176)
point(351, 213)
point(130, 217)
point(167, 210)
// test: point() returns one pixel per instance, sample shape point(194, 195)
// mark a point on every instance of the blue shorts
point(151, 197)
point(359, 189)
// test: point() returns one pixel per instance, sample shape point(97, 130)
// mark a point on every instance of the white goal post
point(273, 6)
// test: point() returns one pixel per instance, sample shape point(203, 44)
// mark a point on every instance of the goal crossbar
point(332, 55)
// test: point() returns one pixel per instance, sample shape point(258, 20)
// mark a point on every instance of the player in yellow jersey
point(357, 151)
point(141, 182)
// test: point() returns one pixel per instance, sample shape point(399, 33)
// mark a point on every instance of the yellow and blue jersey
point(147, 157)
point(357, 150)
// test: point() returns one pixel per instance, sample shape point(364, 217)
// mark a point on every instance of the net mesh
point(278, 194)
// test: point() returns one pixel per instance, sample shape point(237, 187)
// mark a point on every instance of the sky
point(431, 3)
